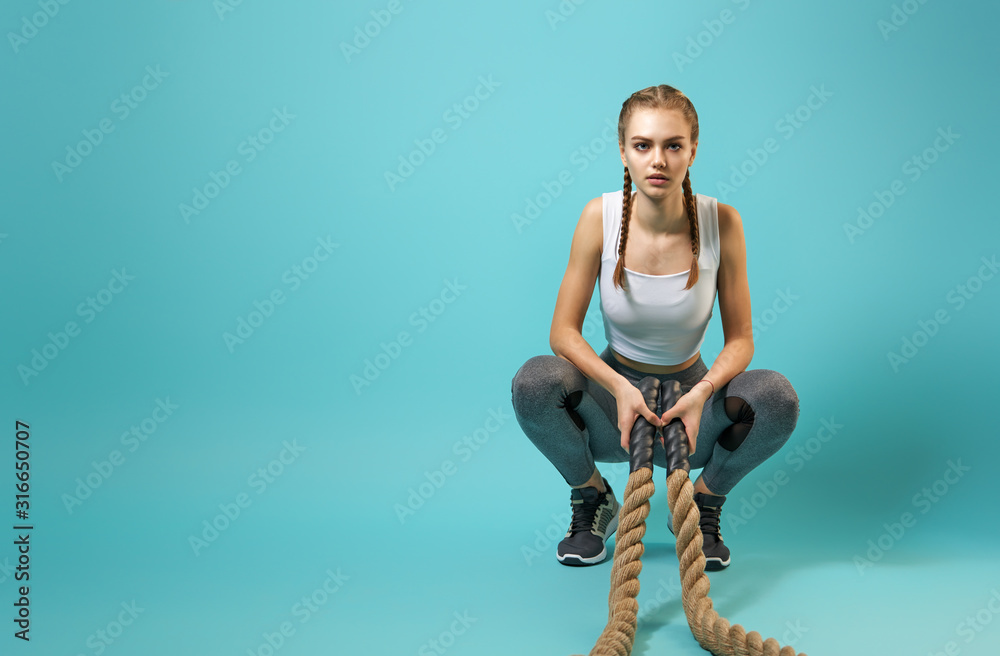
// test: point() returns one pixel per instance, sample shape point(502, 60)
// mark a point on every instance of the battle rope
point(712, 631)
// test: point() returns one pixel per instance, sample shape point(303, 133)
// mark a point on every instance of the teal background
point(480, 546)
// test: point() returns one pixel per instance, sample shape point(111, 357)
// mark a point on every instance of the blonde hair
point(658, 97)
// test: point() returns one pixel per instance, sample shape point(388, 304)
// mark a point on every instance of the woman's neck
point(665, 215)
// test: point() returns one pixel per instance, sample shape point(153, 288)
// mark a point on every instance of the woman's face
point(658, 141)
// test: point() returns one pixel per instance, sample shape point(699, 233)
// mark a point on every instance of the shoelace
point(585, 513)
point(710, 520)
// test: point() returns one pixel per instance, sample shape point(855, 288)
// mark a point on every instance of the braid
point(619, 276)
point(692, 212)
point(660, 97)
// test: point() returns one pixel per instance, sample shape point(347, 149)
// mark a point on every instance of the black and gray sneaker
point(710, 507)
point(595, 518)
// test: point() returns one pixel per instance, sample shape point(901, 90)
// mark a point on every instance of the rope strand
point(619, 634)
point(712, 631)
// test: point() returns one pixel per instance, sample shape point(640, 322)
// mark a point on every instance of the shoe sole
point(716, 564)
point(575, 560)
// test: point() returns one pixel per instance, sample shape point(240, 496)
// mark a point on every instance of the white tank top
point(657, 321)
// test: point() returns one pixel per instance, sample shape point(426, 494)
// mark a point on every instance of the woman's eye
point(642, 146)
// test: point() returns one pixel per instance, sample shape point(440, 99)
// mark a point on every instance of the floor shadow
point(733, 590)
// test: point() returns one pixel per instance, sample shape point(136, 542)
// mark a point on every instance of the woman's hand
point(631, 404)
point(688, 408)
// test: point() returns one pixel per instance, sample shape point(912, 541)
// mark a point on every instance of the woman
point(659, 256)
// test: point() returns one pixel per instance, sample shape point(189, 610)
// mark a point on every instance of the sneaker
point(595, 518)
point(710, 507)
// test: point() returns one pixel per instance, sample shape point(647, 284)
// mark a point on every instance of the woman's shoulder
point(591, 225)
point(593, 211)
point(728, 217)
point(731, 238)
point(595, 207)
point(727, 214)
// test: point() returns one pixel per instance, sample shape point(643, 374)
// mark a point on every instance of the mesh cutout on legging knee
point(740, 412)
point(572, 400)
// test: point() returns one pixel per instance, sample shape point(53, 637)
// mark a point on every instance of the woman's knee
point(544, 376)
point(769, 396)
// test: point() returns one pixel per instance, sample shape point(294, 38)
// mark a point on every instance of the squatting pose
point(658, 255)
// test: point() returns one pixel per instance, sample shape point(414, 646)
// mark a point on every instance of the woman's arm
point(734, 305)
point(575, 293)
point(566, 338)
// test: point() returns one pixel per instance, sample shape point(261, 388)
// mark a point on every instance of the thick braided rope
point(712, 631)
point(619, 634)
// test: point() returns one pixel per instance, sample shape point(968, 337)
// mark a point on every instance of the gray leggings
point(573, 420)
